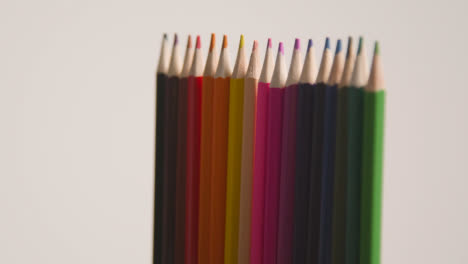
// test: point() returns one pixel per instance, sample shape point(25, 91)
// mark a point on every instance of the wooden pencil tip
point(255, 45)
point(281, 48)
point(189, 42)
point(338, 46)
point(348, 50)
point(297, 44)
point(241, 42)
point(269, 45)
point(213, 41)
point(361, 40)
point(198, 44)
point(225, 41)
point(165, 35)
point(310, 44)
point(376, 49)
point(176, 39)
point(327, 43)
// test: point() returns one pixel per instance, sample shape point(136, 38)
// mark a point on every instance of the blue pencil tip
point(327, 43)
point(310, 44)
point(338, 46)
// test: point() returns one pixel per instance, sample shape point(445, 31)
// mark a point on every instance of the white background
point(77, 117)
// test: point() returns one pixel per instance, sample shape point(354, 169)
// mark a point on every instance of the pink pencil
point(258, 181)
point(273, 157)
point(288, 159)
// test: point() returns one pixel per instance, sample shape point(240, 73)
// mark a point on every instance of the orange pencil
point(219, 157)
point(205, 157)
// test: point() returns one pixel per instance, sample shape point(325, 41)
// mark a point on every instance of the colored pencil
point(372, 163)
point(341, 156)
point(219, 156)
point(170, 154)
point(258, 182)
point(304, 122)
point(194, 94)
point(236, 100)
point(328, 156)
point(273, 157)
point(161, 83)
point(206, 155)
point(288, 157)
point(181, 170)
point(248, 134)
point(313, 237)
point(354, 160)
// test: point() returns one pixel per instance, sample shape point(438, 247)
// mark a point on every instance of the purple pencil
point(273, 157)
point(288, 160)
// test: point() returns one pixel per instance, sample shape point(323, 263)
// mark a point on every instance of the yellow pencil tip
point(241, 43)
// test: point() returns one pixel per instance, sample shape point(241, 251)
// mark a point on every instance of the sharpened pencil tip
point(225, 41)
point(348, 50)
point(241, 42)
point(176, 39)
point(269, 45)
point(327, 43)
point(213, 41)
point(281, 48)
point(361, 40)
point(310, 44)
point(376, 49)
point(297, 44)
point(165, 36)
point(189, 42)
point(338, 46)
point(198, 44)
point(255, 45)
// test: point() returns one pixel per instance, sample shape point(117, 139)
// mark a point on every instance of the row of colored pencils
point(263, 165)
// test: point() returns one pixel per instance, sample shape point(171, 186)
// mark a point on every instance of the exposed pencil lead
point(241, 42)
point(165, 36)
point(225, 41)
point(360, 45)
point(338, 46)
point(269, 45)
point(348, 50)
point(213, 41)
point(255, 45)
point(327, 43)
point(198, 44)
point(189, 42)
point(309, 45)
point(376, 49)
point(297, 44)
point(176, 39)
point(281, 48)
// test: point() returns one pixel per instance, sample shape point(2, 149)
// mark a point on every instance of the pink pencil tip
point(269, 43)
point(255, 45)
point(281, 48)
point(198, 45)
point(297, 44)
point(176, 39)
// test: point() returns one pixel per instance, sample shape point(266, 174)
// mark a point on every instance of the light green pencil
point(372, 161)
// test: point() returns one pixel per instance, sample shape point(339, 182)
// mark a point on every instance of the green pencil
point(372, 160)
point(354, 154)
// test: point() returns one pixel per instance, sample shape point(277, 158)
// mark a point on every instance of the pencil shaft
point(194, 94)
point(248, 134)
point(205, 169)
point(219, 169)
point(159, 166)
point(304, 135)
point(258, 185)
point(372, 160)
point(288, 157)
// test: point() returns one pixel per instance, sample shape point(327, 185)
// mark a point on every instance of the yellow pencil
point(236, 99)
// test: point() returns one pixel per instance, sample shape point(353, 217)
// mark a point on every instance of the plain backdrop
point(77, 102)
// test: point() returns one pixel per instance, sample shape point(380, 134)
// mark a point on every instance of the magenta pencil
point(288, 160)
point(273, 157)
point(258, 181)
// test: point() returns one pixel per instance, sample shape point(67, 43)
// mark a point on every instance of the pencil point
point(269, 45)
point(165, 36)
point(360, 45)
point(348, 50)
point(189, 42)
point(297, 44)
point(198, 44)
point(213, 41)
point(281, 48)
point(241, 43)
point(176, 39)
point(338, 46)
point(310, 44)
point(225, 41)
point(327, 43)
point(255, 45)
point(376, 49)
